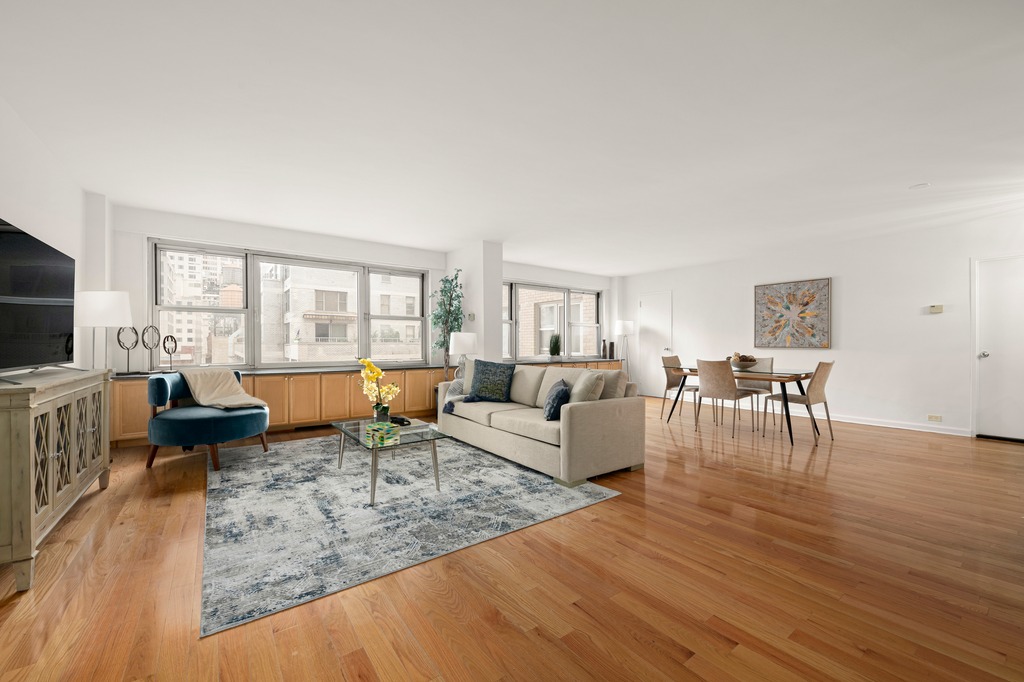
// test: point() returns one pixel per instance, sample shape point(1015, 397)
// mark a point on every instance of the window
point(207, 315)
point(584, 333)
point(238, 308)
point(397, 321)
point(506, 321)
point(332, 301)
point(311, 302)
point(536, 313)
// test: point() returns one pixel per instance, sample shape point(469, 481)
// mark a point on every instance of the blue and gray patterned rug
point(286, 527)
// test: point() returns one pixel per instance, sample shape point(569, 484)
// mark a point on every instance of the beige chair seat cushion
point(483, 412)
point(797, 398)
point(530, 423)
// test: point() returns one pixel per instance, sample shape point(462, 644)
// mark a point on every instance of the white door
point(654, 336)
point(1000, 340)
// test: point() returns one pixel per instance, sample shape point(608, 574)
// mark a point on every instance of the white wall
point(481, 267)
point(895, 362)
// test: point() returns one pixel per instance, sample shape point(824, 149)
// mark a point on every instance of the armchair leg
point(828, 418)
point(152, 456)
point(214, 456)
point(698, 401)
point(263, 439)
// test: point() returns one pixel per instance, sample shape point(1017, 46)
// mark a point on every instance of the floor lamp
point(102, 309)
point(624, 328)
point(462, 344)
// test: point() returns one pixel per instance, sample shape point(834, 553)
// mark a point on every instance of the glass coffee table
point(416, 433)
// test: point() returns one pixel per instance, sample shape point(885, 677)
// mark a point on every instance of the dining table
point(783, 377)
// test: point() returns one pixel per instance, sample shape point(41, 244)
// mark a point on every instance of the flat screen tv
point(37, 302)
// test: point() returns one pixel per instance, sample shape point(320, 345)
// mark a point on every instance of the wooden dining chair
point(760, 388)
point(672, 380)
point(717, 382)
point(815, 395)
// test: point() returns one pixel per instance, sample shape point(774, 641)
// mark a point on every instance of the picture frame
point(794, 314)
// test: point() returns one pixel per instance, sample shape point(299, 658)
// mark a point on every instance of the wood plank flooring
point(886, 555)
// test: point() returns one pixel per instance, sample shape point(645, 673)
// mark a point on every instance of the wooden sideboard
point(54, 443)
point(296, 399)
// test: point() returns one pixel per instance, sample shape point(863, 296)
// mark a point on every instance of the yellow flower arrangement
point(372, 389)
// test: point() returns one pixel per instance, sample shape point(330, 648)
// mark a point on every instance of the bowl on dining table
point(743, 364)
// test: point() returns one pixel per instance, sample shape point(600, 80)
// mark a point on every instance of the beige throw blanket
point(215, 387)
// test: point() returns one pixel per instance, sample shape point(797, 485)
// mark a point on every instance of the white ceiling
point(597, 136)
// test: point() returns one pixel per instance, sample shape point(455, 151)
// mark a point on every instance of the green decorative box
point(381, 434)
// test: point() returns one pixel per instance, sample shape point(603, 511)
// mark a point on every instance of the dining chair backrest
point(671, 380)
point(716, 379)
point(762, 365)
point(816, 386)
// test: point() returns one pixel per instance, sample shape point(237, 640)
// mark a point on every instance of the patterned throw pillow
point(557, 396)
point(492, 382)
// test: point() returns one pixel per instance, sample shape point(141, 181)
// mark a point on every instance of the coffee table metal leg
point(341, 449)
point(433, 456)
point(373, 474)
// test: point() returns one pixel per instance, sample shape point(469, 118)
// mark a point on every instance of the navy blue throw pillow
point(557, 396)
point(449, 407)
point(492, 382)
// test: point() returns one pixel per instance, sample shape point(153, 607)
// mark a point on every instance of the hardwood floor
point(886, 555)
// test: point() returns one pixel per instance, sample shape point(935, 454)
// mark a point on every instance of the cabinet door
point(418, 390)
point(248, 384)
point(398, 404)
point(274, 391)
point(335, 397)
point(304, 398)
point(88, 421)
point(42, 464)
point(360, 406)
point(129, 412)
point(63, 467)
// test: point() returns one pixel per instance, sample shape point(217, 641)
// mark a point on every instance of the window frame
point(563, 324)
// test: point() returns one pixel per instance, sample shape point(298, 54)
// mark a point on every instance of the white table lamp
point(102, 309)
point(462, 344)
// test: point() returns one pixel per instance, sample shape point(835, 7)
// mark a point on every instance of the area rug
point(288, 526)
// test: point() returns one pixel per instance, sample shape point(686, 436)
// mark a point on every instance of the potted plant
point(379, 395)
point(555, 345)
point(447, 314)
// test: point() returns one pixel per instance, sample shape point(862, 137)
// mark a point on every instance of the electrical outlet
point(935, 417)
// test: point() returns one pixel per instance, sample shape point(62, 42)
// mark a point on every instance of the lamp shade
point(102, 309)
point(623, 327)
point(462, 343)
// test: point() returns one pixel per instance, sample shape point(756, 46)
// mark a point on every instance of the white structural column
point(481, 278)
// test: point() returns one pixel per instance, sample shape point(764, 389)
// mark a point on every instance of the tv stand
point(33, 370)
point(55, 441)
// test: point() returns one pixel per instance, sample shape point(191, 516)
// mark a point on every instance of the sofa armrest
point(599, 436)
point(442, 397)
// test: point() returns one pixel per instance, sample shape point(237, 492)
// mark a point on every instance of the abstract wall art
point(793, 314)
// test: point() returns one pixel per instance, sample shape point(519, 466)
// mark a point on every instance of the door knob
point(983, 354)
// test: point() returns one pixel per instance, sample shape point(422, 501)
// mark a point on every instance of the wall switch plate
point(935, 417)
point(934, 309)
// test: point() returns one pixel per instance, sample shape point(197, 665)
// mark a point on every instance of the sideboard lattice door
point(41, 443)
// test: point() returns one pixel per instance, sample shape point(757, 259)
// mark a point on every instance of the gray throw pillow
point(557, 396)
point(492, 382)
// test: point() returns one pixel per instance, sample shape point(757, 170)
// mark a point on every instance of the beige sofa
point(601, 429)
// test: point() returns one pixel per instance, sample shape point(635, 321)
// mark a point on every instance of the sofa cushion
point(526, 384)
point(530, 423)
point(587, 387)
point(481, 412)
point(552, 375)
point(492, 381)
point(615, 381)
point(557, 396)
